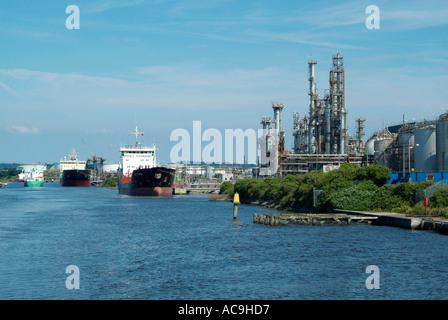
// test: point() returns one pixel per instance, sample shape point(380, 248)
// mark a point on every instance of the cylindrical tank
point(442, 145)
point(380, 146)
point(405, 145)
point(425, 150)
point(405, 139)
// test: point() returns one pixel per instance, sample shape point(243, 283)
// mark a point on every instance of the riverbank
point(437, 224)
point(412, 222)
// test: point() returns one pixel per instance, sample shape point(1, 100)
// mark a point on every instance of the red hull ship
point(74, 172)
point(75, 178)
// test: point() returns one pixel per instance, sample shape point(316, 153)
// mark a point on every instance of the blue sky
point(167, 63)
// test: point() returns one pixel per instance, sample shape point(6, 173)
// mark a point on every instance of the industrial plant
point(416, 151)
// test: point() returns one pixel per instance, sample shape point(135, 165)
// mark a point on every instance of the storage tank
point(425, 150)
point(369, 148)
point(405, 145)
point(442, 145)
point(405, 139)
point(380, 146)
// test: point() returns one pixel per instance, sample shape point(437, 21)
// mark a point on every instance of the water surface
point(186, 247)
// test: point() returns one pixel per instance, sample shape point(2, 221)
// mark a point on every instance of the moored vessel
point(138, 174)
point(33, 178)
point(21, 177)
point(74, 172)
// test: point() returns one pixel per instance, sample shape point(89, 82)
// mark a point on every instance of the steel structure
point(320, 137)
point(324, 130)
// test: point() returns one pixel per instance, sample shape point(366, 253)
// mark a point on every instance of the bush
point(376, 173)
point(353, 198)
point(227, 188)
point(405, 191)
point(439, 199)
point(350, 187)
point(110, 183)
point(386, 200)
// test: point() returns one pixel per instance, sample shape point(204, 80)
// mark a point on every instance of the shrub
point(376, 173)
point(386, 200)
point(353, 198)
point(227, 188)
point(110, 183)
point(439, 199)
point(405, 191)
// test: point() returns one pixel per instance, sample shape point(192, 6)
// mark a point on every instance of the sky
point(163, 64)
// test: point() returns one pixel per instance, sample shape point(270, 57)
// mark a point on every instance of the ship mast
point(136, 132)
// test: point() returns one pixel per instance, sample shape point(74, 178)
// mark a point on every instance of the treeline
point(9, 174)
point(349, 188)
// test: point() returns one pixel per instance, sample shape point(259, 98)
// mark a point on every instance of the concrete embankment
point(405, 221)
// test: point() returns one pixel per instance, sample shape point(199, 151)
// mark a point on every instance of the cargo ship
point(74, 172)
point(33, 179)
point(138, 174)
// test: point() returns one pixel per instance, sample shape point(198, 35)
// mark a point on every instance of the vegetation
point(350, 188)
point(9, 175)
point(109, 183)
point(227, 188)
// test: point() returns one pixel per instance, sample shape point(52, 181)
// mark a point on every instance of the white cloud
point(22, 130)
point(7, 88)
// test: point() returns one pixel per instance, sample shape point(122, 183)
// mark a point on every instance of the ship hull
point(152, 182)
point(75, 178)
point(33, 184)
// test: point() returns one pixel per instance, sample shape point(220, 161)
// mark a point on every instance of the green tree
point(227, 188)
point(439, 199)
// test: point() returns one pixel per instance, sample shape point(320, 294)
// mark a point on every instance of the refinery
point(414, 151)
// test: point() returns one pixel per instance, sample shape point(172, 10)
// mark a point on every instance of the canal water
point(186, 247)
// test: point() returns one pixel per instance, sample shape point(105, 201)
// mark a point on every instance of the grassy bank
point(110, 183)
point(349, 188)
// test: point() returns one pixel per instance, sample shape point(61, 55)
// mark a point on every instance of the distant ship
point(74, 172)
point(34, 179)
point(21, 177)
point(138, 174)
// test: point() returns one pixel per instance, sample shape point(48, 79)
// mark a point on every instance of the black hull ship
point(75, 178)
point(138, 174)
point(74, 172)
point(156, 181)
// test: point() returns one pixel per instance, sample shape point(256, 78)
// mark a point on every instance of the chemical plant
point(415, 151)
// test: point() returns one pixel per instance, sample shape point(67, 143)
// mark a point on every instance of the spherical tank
point(369, 148)
point(425, 150)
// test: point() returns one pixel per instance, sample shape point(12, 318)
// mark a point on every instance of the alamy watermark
point(373, 280)
point(72, 281)
point(373, 20)
point(73, 20)
point(230, 147)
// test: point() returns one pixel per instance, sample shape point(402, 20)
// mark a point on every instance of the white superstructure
point(136, 156)
point(72, 163)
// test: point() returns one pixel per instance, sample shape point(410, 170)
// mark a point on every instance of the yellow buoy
point(236, 198)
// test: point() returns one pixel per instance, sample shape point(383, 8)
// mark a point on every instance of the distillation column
point(278, 107)
point(266, 123)
point(337, 86)
point(312, 94)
